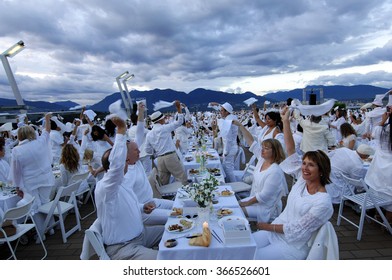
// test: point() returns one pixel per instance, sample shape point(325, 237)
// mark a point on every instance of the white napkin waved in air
point(162, 104)
point(90, 114)
point(116, 110)
point(250, 101)
point(215, 107)
point(316, 110)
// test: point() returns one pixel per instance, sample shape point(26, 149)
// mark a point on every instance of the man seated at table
point(349, 163)
point(118, 209)
point(138, 182)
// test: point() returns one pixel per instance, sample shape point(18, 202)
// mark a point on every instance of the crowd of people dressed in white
point(313, 144)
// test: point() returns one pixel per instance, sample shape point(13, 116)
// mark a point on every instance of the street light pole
point(127, 78)
point(124, 99)
point(11, 79)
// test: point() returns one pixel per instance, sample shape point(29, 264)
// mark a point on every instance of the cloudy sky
point(75, 49)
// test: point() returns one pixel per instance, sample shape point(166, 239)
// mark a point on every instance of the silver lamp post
point(126, 104)
point(125, 79)
point(12, 51)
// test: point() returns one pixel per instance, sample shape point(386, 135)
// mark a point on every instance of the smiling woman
point(308, 205)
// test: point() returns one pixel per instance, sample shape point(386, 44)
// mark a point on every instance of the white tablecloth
point(8, 201)
point(216, 250)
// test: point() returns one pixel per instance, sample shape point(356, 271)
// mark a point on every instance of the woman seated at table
point(70, 165)
point(269, 182)
point(308, 205)
point(349, 136)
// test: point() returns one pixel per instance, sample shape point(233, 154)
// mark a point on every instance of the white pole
point(11, 80)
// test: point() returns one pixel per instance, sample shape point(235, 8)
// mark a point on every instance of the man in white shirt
point(160, 143)
point(56, 141)
point(229, 139)
point(118, 208)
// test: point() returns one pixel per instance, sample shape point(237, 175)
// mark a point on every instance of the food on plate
point(214, 171)
point(188, 158)
point(176, 212)
point(186, 224)
point(193, 171)
point(226, 192)
point(224, 212)
point(175, 227)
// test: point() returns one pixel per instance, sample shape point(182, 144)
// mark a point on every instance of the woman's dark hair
point(346, 129)
point(386, 140)
point(97, 133)
point(110, 128)
point(299, 128)
point(275, 116)
point(323, 163)
point(2, 143)
point(53, 125)
point(315, 119)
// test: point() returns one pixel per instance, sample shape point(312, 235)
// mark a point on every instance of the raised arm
point(247, 135)
point(288, 136)
point(257, 117)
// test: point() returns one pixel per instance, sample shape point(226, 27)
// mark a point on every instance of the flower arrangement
point(202, 192)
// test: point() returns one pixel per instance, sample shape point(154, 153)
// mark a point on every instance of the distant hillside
point(40, 106)
point(362, 93)
point(199, 98)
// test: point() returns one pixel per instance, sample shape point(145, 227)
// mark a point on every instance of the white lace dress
point(304, 214)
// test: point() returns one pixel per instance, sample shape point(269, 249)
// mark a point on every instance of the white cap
point(365, 150)
point(156, 116)
point(228, 107)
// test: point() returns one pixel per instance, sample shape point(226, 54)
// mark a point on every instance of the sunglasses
point(191, 217)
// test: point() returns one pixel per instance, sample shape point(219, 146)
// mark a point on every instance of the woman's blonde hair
point(277, 150)
point(70, 158)
point(26, 132)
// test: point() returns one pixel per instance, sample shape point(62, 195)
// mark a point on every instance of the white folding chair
point(168, 190)
point(60, 209)
point(324, 244)
point(80, 177)
point(366, 200)
point(14, 214)
point(242, 186)
point(93, 240)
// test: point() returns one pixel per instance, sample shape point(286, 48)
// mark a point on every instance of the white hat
point(90, 114)
point(366, 106)
point(156, 116)
point(365, 150)
point(228, 107)
point(378, 99)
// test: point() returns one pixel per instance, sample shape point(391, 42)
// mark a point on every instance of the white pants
point(160, 214)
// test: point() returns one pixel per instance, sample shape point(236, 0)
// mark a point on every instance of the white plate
point(224, 215)
point(177, 222)
point(220, 222)
point(220, 194)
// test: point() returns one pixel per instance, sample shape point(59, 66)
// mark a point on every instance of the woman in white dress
point(335, 125)
point(269, 182)
point(308, 205)
point(379, 175)
point(349, 136)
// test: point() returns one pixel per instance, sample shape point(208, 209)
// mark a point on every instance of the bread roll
point(203, 240)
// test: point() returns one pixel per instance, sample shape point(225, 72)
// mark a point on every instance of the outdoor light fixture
point(125, 79)
point(124, 99)
point(12, 51)
point(15, 49)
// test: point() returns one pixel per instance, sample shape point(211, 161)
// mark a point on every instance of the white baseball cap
point(228, 107)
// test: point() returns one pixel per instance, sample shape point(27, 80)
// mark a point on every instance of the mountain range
point(198, 99)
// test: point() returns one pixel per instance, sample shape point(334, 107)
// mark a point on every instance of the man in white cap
point(229, 133)
point(160, 143)
point(347, 162)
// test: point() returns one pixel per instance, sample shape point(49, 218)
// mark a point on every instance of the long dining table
point(218, 249)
